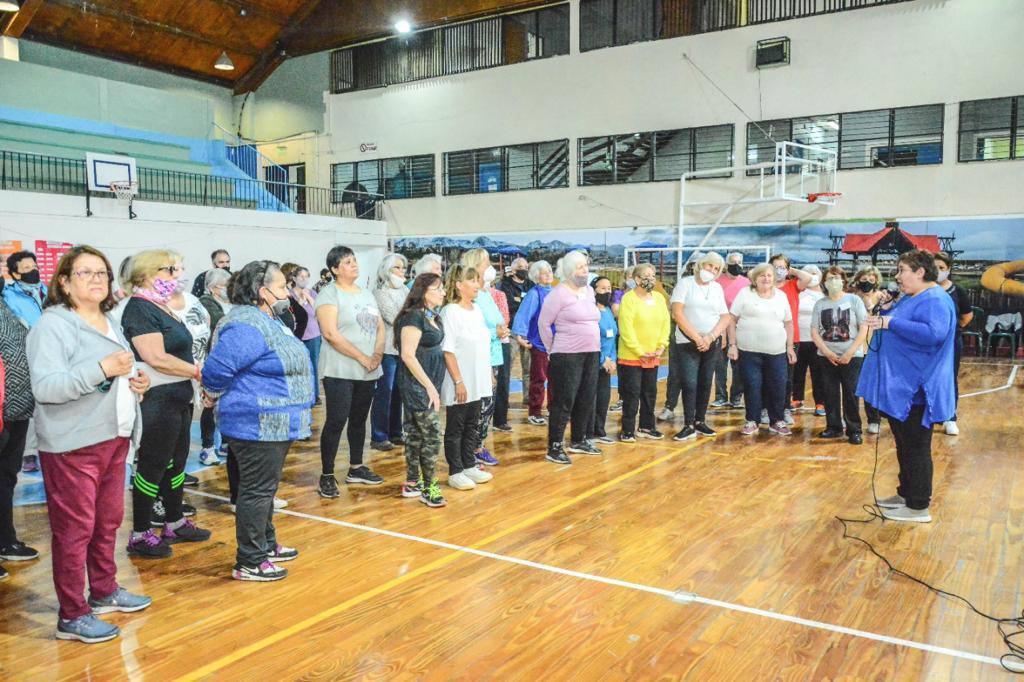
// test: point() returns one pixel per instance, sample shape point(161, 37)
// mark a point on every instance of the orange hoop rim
point(814, 196)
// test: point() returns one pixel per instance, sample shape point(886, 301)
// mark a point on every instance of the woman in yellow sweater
point(644, 326)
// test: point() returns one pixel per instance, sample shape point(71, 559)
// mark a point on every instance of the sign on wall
point(48, 254)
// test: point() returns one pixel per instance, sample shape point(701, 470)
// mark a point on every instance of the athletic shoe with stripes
point(264, 573)
point(282, 553)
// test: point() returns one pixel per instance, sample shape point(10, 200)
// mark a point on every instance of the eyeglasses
point(435, 289)
point(172, 269)
point(90, 275)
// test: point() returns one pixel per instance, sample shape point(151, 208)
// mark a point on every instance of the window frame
point(409, 159)
point(1016, 123)
point(503, 157)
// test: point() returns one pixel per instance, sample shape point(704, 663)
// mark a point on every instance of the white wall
point(195, 231)
point(922, 52)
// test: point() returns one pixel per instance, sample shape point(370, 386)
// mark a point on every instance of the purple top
point(312, 326)
point(575, 320)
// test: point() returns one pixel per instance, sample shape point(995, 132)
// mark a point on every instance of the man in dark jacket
point(221, 260)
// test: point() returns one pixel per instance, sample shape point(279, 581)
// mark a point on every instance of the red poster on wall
point(48, 254)
point(7, 247)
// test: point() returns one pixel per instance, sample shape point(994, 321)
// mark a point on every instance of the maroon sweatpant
point(538, 376)
point(85, 501)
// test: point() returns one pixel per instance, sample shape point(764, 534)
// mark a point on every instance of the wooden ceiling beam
point(274, 55)
point(126, 18)
point(20, 20)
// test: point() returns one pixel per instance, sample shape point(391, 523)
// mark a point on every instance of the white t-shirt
point(467, 337)
point(196, 318)
point(807, 300)
point(703, 306)
point(126, 400)
point(760, 328)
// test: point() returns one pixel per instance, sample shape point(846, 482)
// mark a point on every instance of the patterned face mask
point(647, 283)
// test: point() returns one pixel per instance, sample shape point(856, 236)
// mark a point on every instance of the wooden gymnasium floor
point(582, 572)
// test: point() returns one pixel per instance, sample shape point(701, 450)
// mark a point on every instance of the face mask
point(780, 274)
point(734, 269)
point(489, 274)
point(815, 281)
point(865, 286)
point(630, 284)
point(31, 277)
point(183, 285)
point(943, 276)
point(396, 281)
point(521, 274)
point(604, 299)
point(706, 276)
point(647, 283)
point(833, 286)
point(280, 305)
point(579, 280)
point(302, 282)
point(165, 288)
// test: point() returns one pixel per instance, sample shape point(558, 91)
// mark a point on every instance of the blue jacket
point(609, 341)
point(492, 316)
point(525, 324)
point(263, 377)
point(911, 362)
point(25, 302)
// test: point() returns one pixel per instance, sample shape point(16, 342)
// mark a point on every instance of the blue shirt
point(492, 316)
point(525, 324)
point(911, 362)
point(609, 335)
point(25, 302)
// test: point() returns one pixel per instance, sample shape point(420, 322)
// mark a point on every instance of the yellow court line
point(239, 654)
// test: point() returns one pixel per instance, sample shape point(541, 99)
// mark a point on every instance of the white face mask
point(815, 281)
point(943, 276)
point(780, 274)
point(489, 274)
point(396, 281)
point(707, 276)
point(833, 286)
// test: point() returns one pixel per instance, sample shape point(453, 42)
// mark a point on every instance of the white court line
point(679, 596)
point(1008, 384)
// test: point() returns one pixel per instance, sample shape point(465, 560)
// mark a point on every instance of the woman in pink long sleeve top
point(568, 327)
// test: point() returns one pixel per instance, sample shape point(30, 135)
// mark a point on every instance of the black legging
point(163, 450)
point(572, 380)
point(207, 427)
point(347, 402)
point(807, 359)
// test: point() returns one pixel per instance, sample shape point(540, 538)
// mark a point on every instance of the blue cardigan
point(525, 324)
point(609, 341)
point(912, 361)
point(263, 377)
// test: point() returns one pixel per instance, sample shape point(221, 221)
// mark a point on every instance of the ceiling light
point(9, 6)
point(224, 63)
point(403, 26)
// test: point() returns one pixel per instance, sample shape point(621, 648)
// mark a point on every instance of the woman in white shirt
point(467, 357)
point(762, 341)
point(386, 413)
point(701, 318)
point(806, 351)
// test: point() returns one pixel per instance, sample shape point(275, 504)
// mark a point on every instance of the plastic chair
point(976, 329)
point(993, 343)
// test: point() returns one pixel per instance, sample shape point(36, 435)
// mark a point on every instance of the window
point(991, 129)
point(402, 177)
point(458, 48)
point(538, 165)
point(654, 156)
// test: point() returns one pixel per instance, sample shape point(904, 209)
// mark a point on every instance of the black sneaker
point(18, 551)
point(504, 428)
point(704, 430)
point(651, 434)
point(584, 448)
point(856, 439)
point(382, 445)
point(831, 433)
point(362, 474)
point(148, 546)
point(158, 516)
point(627, 438)
point(187, 510)
point(191, 481)
point(556, 454)
point(688, 433)
point(264, 573)
point(3, 573)
point(281, 553)
point(186, 532)
point(328, 486)
point(398, 442)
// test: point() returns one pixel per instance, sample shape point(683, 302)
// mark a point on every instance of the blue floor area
point(30, 486)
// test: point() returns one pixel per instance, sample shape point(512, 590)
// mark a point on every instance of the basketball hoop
point(814, 196)
point(124, 191)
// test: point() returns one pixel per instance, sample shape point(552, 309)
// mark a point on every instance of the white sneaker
point(461, 481)
point(787, 415)
point(666, 415)
point(907, 514)
point(873, 428)
point(952, 429)
point(764, 417)
point(478, 475)
point(208, 457)
point(279, 503)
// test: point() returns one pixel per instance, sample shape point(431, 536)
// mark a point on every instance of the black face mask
point(734, 270)
point(865, 286)
point(604, 299)
point(30, 277)
point(521, 274)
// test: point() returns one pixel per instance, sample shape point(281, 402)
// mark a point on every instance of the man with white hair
point(515, 286)
point(733, 281)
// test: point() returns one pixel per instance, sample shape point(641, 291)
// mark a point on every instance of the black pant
point(914, 453)
point(638, 388)
point(160, 459)
point(502, 387)
point(874, 417)
point(958, 351)
point(461, 436)
point(259, 468)
point(601, 401)
point(231, 464)
point(696, 369)
point(12, 448)
point(347, 401)
point(572, 378)
point(839, 391)
point(207, 425)
point(723, 391)
point(675, 381)
point(807, 359)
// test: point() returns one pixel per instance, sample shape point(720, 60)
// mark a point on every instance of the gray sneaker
point(908, 514)
point(787, 416)
point(87, 628)
point(894, 502)
point(122, 600)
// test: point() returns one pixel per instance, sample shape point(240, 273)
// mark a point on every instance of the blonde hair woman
point(386, 413)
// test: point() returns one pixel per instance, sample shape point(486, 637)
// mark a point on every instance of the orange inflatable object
point(997, 278)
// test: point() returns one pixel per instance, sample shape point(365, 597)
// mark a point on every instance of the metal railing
point(27, 172)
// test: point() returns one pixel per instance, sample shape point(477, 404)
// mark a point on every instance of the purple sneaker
point(30, 463)
point(186, 532)
point(485, 457)
point(749, 429)
point(149, 545)
point(780, 428)
point(264, 573)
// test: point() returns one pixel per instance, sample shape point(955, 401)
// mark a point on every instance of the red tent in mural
point(885, 244)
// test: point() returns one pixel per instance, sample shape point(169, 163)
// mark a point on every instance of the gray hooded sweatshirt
point(64, 354)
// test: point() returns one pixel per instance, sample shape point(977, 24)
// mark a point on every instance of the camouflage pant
point(422, 443)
